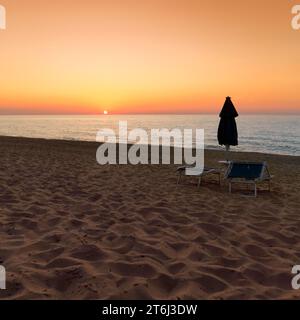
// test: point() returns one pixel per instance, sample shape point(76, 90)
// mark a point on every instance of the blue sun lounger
point(248, 173)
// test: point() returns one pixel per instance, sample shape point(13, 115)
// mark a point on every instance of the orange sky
point(127, 56)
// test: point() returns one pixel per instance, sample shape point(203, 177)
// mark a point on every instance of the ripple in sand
point(61, 263)
point(143, 270)
point(210, 284)
point(255, 251)
point(89, 253)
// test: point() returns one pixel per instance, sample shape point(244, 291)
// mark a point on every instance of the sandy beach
point(72, 229)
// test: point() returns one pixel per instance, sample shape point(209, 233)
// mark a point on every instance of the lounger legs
point(199, 182)
point(199, 178)
point(179, 178)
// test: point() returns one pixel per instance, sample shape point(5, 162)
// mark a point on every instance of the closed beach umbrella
point(227, 132)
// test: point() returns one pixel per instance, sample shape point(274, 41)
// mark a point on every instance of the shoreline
point(95, 143)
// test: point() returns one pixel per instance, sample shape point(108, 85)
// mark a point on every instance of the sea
point(273, 134)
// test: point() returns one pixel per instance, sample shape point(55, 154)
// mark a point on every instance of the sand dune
point(72, 229)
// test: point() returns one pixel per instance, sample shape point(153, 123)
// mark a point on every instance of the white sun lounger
point(207, 171)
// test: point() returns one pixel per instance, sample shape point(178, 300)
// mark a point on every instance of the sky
point(158, 56)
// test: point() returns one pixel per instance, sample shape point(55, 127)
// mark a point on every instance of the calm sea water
point(278, 134)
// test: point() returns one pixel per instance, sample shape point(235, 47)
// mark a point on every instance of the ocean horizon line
point(207, 147)
point(155, 113)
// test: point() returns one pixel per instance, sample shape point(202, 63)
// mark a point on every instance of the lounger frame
point(207, 171)
point(264, 176)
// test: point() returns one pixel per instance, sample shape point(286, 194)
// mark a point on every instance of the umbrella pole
point(227, 152)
